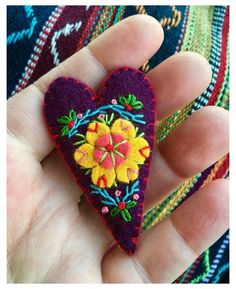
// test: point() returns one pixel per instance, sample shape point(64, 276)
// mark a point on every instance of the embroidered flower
point(121, 203)
point(112, 153)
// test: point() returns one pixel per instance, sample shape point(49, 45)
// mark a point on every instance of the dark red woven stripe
point(222, 169)
point(66, 45)
point(223, 59)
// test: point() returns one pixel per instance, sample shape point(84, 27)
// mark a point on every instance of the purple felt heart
point(107, 142)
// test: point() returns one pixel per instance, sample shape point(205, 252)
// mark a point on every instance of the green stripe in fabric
point(206, 263)
point(162, 210)
point(119, 14)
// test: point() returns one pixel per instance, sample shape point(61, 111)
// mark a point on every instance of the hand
point(50, 237)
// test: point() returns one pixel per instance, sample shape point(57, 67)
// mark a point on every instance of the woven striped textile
point(41, 37)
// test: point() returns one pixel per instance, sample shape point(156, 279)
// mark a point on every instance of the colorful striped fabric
point(40, 37)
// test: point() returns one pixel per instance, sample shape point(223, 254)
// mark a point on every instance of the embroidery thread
point(109, 154)
point(130, 102)
point(119, 205)
point(112, 153)
point(71, 128)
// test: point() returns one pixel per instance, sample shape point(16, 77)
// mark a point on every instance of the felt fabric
point(203, 29)
point(106, 141)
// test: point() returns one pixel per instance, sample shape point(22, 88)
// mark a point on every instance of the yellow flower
point(113, 153)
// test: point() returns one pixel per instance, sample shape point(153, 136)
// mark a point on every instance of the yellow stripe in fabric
point(173, 202)
point(170, 22)
point(168, 124)
point(198, 32)
point(202, 43)
point(140, 9)
point(213, 172)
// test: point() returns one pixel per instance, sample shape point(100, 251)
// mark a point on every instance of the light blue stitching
point(115, 107)
point(19, 35)
point(117, 199)
point(220, 272)
point(133, 190)
point(107, 203)
point(103, 193)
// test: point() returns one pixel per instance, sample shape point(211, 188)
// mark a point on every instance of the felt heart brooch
point(107, 141)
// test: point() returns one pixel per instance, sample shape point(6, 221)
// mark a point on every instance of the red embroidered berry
point(128, 107)
point(71, 124)
point(121, 205)
point(109, 147)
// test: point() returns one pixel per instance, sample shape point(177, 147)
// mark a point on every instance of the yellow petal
point(95, 130)
point(103, 178)
point(124, 127)
point(139, 150)
point(128, 171)
point(83, 156)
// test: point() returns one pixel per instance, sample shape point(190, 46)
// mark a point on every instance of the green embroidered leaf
point(131, 99)
point(81, 135)
point(63, 119)
point(72, 114)
point(122, 100)
point(131, 204)
point(126, 215)
point(64, 130)
point(114, 212)
point(88, 172)
point(142, 134)
point(137, 105)
point(79, 142)
point(101, 120)
point(106, 118)
point(111, 118)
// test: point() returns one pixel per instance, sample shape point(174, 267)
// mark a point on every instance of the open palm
point(53, 239)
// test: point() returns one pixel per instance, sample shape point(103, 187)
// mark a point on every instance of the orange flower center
point(111, 150)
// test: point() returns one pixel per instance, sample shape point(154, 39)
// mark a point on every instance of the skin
point(50, 237)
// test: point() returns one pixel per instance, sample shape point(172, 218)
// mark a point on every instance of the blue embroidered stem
point(103, 193)
point(115, 107)
point(132, 190)
point(108, 200)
